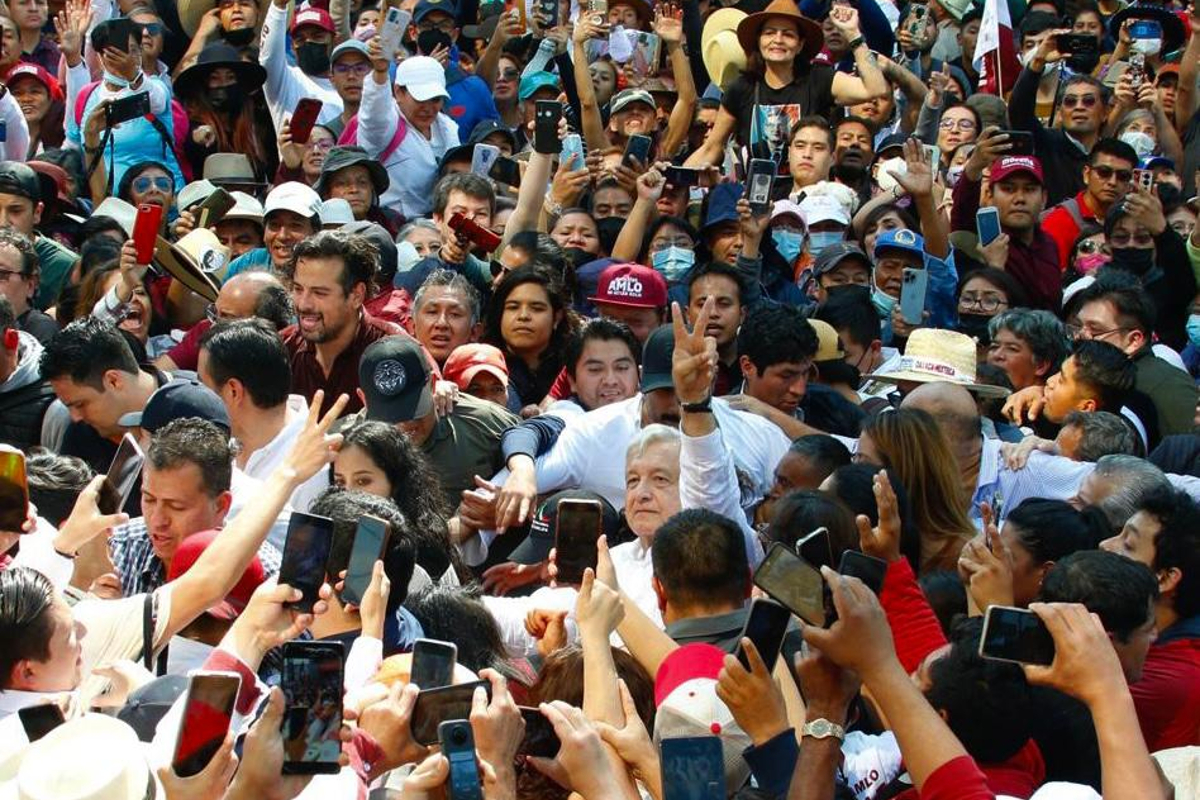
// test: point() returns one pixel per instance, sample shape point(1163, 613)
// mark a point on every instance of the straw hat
point(723, 56)
point(829, 348)
point(933, 355)
point(199, 261)
point(750, 28)
point(1181, 765)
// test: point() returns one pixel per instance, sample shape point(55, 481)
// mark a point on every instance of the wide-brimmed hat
point(750, 28)
point(219, 55)
point(192, 11)
point(344, 156)
point(226, 169)
point(198, 260)
point(933, 355)
point(1172, 27)
point(723, 56)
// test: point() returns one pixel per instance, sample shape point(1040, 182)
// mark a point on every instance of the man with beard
point(471, 99)
point(312, 38)
point(1107, 177)
point(853, 151)
point(289, 214)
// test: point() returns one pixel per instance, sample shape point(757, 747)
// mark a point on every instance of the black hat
point(388, 259)
point(489, 126)
point(544, 526)
point(194, 79)
point(20, 179)
point(835, 254)
point(147, 705)
point(890, 141)
point(1172, 28)
point(656, 359)
point(344, 156)
point(176, 400)
point(394, 377)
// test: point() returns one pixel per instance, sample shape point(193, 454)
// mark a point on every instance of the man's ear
point(113, 379)
point(747, 367)
point(37, 212)
point(362, 398)
point(659, 594)
point(1168, 580)
point(1088, 405)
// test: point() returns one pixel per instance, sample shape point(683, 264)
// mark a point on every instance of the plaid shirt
point(142, 571)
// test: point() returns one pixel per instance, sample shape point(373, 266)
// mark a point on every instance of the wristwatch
point(823, 729)
point(703, 407)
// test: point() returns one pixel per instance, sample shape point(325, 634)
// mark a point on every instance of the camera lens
point(458, 736)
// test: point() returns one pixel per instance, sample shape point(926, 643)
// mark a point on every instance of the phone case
point(912, 295)
point(14, 489)
point(391, 32)
point(145, 231)
point(987, 225)
point(303, 119)
point(482, 159)
point(128, 108)
point(545, 127)
point(572, 147)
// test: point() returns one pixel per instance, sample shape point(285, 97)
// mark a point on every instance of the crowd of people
point(923, 275)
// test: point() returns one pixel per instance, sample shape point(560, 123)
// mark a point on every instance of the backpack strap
point(81, 100)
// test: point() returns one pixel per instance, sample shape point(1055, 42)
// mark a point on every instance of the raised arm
point(489, 63)
point(668, 24)
point(915, 92)
point(649, 188)
point(1189, 67)
point(918, 182)
point(529, 196)
point(378, 114)
point(870, 82)
point(593, 124)
point(712, 152)
point(1022, 103)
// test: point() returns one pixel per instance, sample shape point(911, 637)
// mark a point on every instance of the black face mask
point(975, 326)
point(577, 257)
point(1137, 260)
point(1085, 62)
point(428, 41)
point(226, 98)
point(851, 166)
point(313, 58)
point(239, 38)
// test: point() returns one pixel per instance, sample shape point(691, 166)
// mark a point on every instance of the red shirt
point(1063, 229)
point(392, 305)
point(186, 354)
point(915, 627)
point(308, 376)
point(1167, 696)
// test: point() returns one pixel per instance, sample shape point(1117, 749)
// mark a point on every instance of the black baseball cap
point(22, 180)
point(147, 705)
point(656, 359)
point(394, 377)
point(835, 254)
point(543, 527)
point(179, 399)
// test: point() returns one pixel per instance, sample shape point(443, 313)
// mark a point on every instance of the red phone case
point(145, 231)
point(303, 120)
point(479, 236)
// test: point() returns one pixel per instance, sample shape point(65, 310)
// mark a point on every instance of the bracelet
point(703, 407)
point(854, 45)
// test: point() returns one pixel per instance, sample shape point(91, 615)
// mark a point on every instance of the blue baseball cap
point(538, 80)
point(722, 205)
point(1151, 162)
point(426, 7)
point(900, 239)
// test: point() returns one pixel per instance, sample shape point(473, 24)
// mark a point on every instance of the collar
point(1184, 629)
point(707, 626)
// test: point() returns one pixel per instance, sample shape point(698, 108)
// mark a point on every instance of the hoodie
point(29, 356)
point(24, 396)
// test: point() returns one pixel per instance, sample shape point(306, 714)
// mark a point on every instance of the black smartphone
point(312, 690)
point(682, 176)
point(506, 170)
point(433, 663)
point(214, 208)
point(789, 579)
point(758, 184)
point(370, 539)
point(122, 476)
point(1021, 143)
point(540, 739)
point(546, 116)
point(14, 489)
point(816, 549)
point(766, 625)
point(40, 719)
point(549, 12)
point(868, 569)
point(1076, 44)
point(207, 714)
point(123, 109)
point(458, 746)
point(575, 534)
point(305, 552)
point(435, 706)
point(1017, 635)
point(693, 768)
point(637, 148)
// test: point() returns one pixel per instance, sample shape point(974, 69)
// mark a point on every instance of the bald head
point(254, 294)
point(951, 405)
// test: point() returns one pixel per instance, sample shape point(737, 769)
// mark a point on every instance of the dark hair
point(812, 121)
point(879, 212)
point(24, 246)
point(558, 302)
point(720, 269)
point(469, 184)
point(1102, 433)
point(456, 614)
point(133, 173)
point(26, 626)
point(55, 482)
point(85, 350)
point(1106, 370)
point(1112, 147)
point(823, 452)
point(250, 351)
point(854, 485)
point(98, 250)
point(849, 310)
point(654, 227)
point(1037, 21)
point(1051, 530)
point(1177, 544)
point(194, 441)
point(274, 305)
point(1087, 80)
point(850, 119)
point(946, 595)
point(776, 334)
point(974, 113)
point(700, 556)
point(97, 224)
point(800, 512)
point(416, 489)
point(359, 255)
point(70, 159)
point(1001, 280)
point(1134, 308)
point(1117, 589)
point(600, 329)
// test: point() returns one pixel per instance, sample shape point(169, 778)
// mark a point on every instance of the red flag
point(995, 49)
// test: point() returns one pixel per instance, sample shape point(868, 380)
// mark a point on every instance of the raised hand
point(752, 696)
point(315, 447)
point(985, 565)
point(991, 145)
point(1024, 404)
point(917, 180)
point(845, 19)
point(72, 24)
point(694, 362)
point(1085, 664)
point(86, 522)
point(598, 608)
point(1146, 208)
point(497, 724)
point(938, 83)
point(651, 183)
point(995, 252)
point(668, 23)
point(860, 639)
point(633, 744)
point(882, 541)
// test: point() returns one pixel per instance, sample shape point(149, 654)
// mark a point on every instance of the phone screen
point(1015, 634)
point(693, 768)
point(205, 721)
point(433, 663)
point(816, 549)
point(304, 555)
point(40, 720)
point(14, 490)
point(868, 569)
point(123, 474)
point(787, 578)
point(987, 223)
point(369, 538)
point(312, 690)
point(575, 536)
point(540, 738)
point(435, 706)
point(766, 625)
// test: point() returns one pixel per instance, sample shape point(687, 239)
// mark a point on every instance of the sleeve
point(1172, 257)
point(875, 27)
point(78, 77)
point(378, 116)
point(38, 553)
point(708, 479)
point(509, 614)
point(1022, 103)
point(928, 120)
point(1044, 475)
point(751, 272)
point(16, 145)
point(107, 306)
point(915, 628)
point(272, 55)
point(958, 779)
point(966, 204)
point(693, 29)
point(943, 284)
point(366, 654)
point(773, 763)
point(533, 437)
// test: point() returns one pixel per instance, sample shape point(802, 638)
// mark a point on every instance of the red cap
point(38, 73)
point(1010, 165)
point(469, 360)
point(239, 597)
point(313, 16)
point(631, 285)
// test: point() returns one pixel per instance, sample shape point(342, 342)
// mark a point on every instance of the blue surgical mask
point(673, 262)
point(819, 240)
point(788, 243)
point(115, 80)
point(1193, 330)
point(883, 302)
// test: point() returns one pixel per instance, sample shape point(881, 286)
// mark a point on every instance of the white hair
point(649, 436)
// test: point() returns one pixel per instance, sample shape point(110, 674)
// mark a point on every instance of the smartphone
point(122, 476)
point(987, 225)
point(682, 176)
point(572, 148)
point(435, 706)
point(370, 539)
point(3, 130)
point(578, 528)
point(305, 552)
point(693, 768)
point(637, 149)
point(816, 549)
point(214, 208)
point(145, 231)
point(304, 118)
point(1137, 69)
point(433, 663)
point(934, 153)
point(1017, 635)
point(207, 713)
point(1076, 44)
point(1020, 143)
point(916, 21)
point(766, 625)
point(506, 170)
point(545, 126)
point(118, 33)
point(40, 719)
point(483, 156)
point(312, 690)
point(540, 739)
point(599, 11)
point(126, 108)
point(549, 12)
point(868, 569)
point(14, 489)
point(391, 32)
point(458, 746)
point(474, 233)
point(758, 185)
point(913, 285)
point(1143, 180)
point(789, 579)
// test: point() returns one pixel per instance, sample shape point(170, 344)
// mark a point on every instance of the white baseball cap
point(423, 77)
point(336, 212)
point(295, 197)
point(823, 208)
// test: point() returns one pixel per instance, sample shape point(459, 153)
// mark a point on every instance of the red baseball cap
point(1010, 165)
point(39, 74)
point(469, 360)
point(631, 285)
point(239, 597)
point(313, 16)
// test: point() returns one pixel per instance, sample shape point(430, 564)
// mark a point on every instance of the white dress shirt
point(263, 461)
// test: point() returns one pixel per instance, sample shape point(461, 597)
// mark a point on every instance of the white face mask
point(884, 170)
point(1142, 143)
point(1147, 47)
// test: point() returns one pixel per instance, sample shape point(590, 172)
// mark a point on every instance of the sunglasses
point(152, 28)
point(1090, 246)
point(142, 185)
point(1085, 100)
point(1105, 173)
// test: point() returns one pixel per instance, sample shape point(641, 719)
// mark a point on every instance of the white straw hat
point(932, 355)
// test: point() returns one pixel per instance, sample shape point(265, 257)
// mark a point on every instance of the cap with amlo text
point(1010, 165)
point(631, 285)
point(394, 378)
point(317, 17)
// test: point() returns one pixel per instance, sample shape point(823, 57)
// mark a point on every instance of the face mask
point(406, 257)
point(975, 326)
point(1142, 143)
point(819, 240)
point(226, 98)
point(578, 257)
point(1083, 63)
point(1148, 47)
point(115, 80)
point(953, 174)
point(883, 302)
point(1137, 260)
point(313, 58)
point(788, 243)
point(673, 262)
point(1026, 56)
point(1090, 262)
point(239, 38)
point(1193, 330)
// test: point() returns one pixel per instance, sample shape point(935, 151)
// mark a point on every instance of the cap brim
point(131, 420)
point(534, 550)
point(622, 303)
point(182, 270)
point(393, 413)
point(657, 380)
point(424, 92)
point(981, 389)
point(469, 373)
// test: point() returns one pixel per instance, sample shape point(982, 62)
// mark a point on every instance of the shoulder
point(46, 248)
point(484, 412)
point(742, 87)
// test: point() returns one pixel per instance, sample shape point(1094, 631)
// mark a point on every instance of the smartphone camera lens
point(458, 736)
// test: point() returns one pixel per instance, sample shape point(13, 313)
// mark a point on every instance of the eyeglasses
point(6, 275)
point(320, 144)
point(510, 74)
point(163, 184)
point(358, 68)
point(152, 28)
point(964, 124)
point(1105, 173)
point(1090, 247)
point(986, 303)
point(1085, 100)
point(1078, 331)
point(445, 26)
